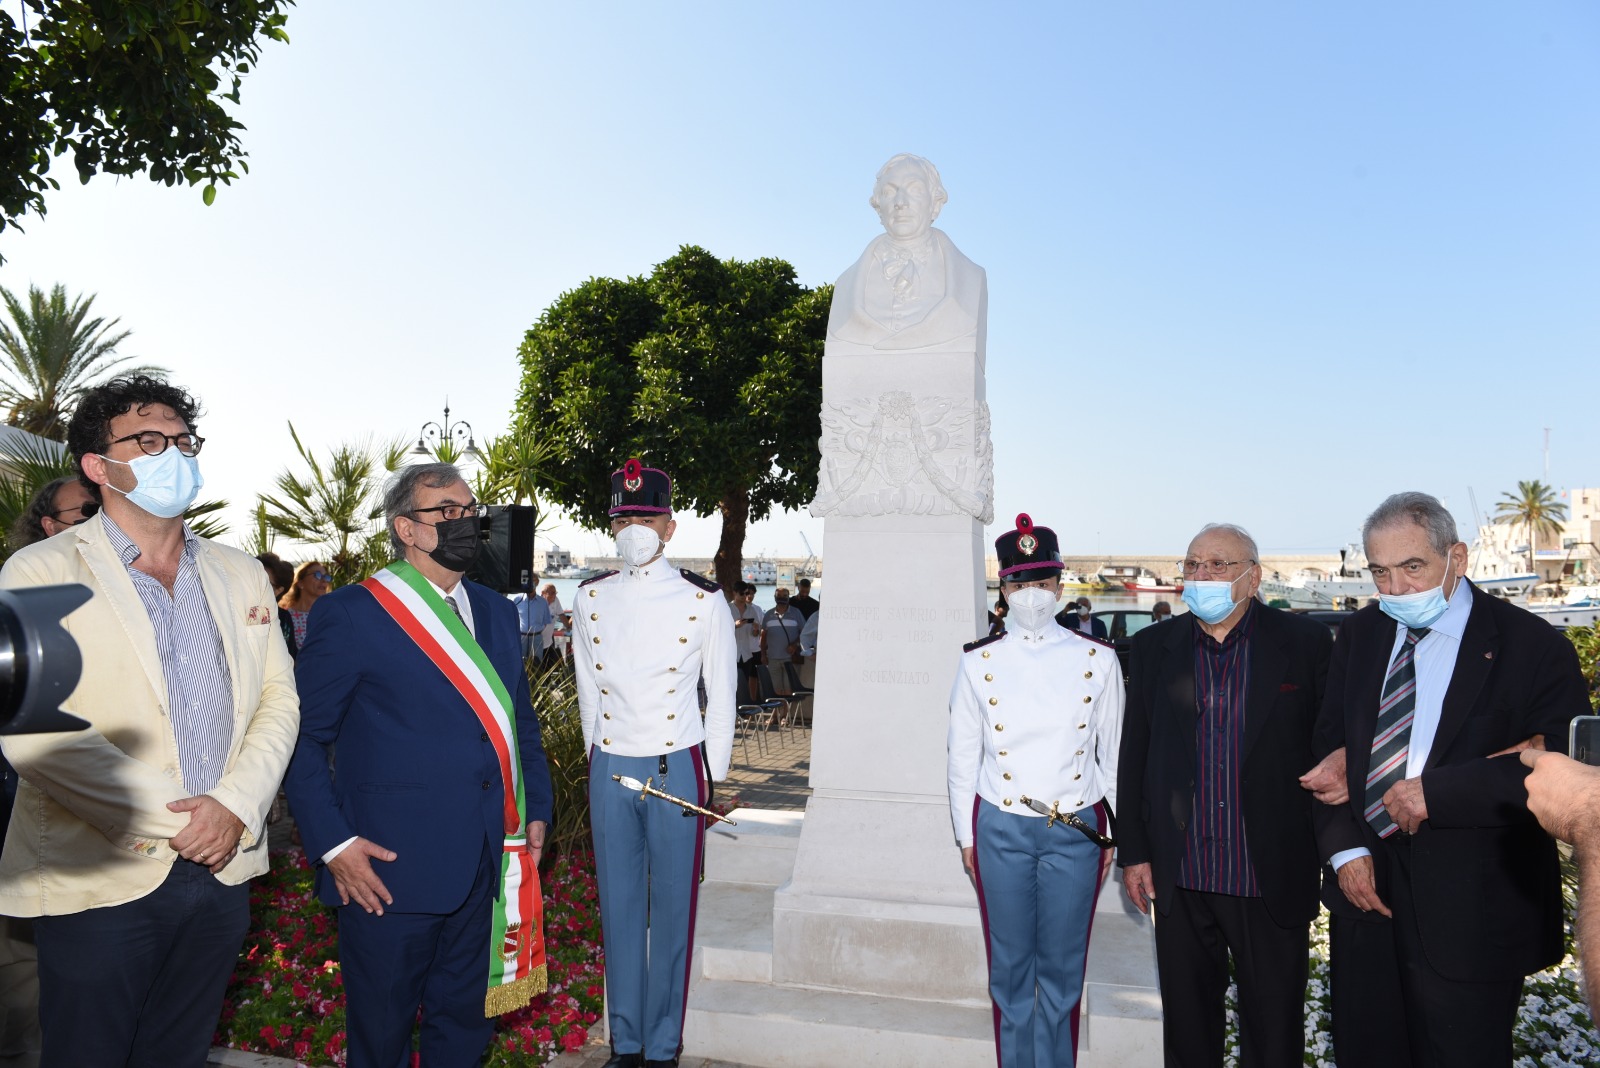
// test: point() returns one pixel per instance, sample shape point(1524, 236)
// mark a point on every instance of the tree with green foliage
point(337, 507)
point(1535, 507)
point(709, 369)
point(128, 86)
point(51, 353)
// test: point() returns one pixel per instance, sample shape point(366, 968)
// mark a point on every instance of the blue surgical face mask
point(168, 482)
point(1415, 611)
point(1211, 601)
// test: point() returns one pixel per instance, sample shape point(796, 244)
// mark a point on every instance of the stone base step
point(760, 848)
point(733, 932)
point(790, 1027)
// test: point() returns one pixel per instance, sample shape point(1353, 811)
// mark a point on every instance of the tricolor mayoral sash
point(516, 936)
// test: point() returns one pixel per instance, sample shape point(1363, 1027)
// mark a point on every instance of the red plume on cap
point(1024, 523)
point(632, 468)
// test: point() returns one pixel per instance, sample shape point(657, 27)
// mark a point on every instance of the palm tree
point(50, 353)
point(515, 467)
point(338, 508)
point(1534, 505)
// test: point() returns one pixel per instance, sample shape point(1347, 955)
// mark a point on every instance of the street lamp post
point(442, 432)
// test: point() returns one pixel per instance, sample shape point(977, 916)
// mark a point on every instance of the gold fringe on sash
point(514, 995)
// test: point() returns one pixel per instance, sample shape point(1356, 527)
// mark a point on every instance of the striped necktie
point(451, 601)
point(1391, 740)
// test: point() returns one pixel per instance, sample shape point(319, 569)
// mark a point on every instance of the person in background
point(802, 601)
point(747, 617)
point(1160, 612)
point(1078, 617)
point(780, 638)
point(997, 617)
point(57, 505)
point(533, 618)
point(548, 638)
point(311, 581)
point(281, 574)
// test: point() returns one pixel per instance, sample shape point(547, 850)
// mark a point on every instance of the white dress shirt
point(1035, 714)
point(1435, 660)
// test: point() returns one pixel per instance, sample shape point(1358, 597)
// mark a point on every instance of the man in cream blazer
point(133, 841)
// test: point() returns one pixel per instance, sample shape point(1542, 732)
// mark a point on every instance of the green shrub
point(555, 699)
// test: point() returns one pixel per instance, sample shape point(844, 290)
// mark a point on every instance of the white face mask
point(1031, 608)
point(637, 544)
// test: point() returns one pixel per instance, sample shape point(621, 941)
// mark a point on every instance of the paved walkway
point(771, 769)
point(595, 1055)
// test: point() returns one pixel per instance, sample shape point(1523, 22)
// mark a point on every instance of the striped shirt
point(193, 665)
point(1216, 858)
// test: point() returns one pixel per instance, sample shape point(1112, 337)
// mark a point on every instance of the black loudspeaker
point(505, 563)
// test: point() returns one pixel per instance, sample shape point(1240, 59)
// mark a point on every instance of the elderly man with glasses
point(133, 841)
point(428, 838)
point(1216, 831)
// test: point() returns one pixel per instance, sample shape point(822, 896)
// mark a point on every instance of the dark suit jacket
point(1484, 876)
point(1068, 617)
point(1156, 767)
point(415, 772)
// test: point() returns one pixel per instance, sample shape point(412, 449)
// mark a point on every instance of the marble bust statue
point(911, 288)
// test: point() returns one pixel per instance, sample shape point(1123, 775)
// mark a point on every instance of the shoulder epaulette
point(696, 579)
point(597, 578)
point(1108, 643)
point(981, 642)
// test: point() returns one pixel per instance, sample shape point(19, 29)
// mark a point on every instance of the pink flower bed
point(286, 997)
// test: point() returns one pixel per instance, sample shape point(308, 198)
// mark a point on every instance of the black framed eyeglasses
point(448, 512)
point(154, 443)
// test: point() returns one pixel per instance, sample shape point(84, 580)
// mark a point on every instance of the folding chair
point(806, 696)
point(769, 694)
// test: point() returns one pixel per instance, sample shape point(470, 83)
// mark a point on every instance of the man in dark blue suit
point(419, 749)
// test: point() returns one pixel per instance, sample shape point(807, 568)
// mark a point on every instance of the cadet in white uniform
point(1035, 723)
point(643, 638)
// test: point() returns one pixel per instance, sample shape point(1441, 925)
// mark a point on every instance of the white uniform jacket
point(642, 638)
point(1037, 715)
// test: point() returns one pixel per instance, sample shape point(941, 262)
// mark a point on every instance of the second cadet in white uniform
point(643, 639)
point(1035, 723)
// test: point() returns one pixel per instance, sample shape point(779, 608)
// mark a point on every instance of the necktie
point(451, 601)
point(1391, 740)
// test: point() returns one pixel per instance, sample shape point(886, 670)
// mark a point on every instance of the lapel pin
point(1488, 656)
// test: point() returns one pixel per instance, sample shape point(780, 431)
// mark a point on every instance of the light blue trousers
point(647, 861)
point(1036, 889)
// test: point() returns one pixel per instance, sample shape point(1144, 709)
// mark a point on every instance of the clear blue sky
point(1263, 263)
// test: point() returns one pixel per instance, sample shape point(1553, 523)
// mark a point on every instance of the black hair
point(29, 525)
point(90, 428)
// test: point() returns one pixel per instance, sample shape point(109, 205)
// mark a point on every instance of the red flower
point(574, 1039)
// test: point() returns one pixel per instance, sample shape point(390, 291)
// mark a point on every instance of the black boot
point(625, 1060)
point(673, 1063)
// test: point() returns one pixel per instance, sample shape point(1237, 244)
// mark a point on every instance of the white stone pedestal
point(878, 902)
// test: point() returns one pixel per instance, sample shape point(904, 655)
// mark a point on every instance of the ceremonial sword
point(629, 783)
point(1071, 819)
